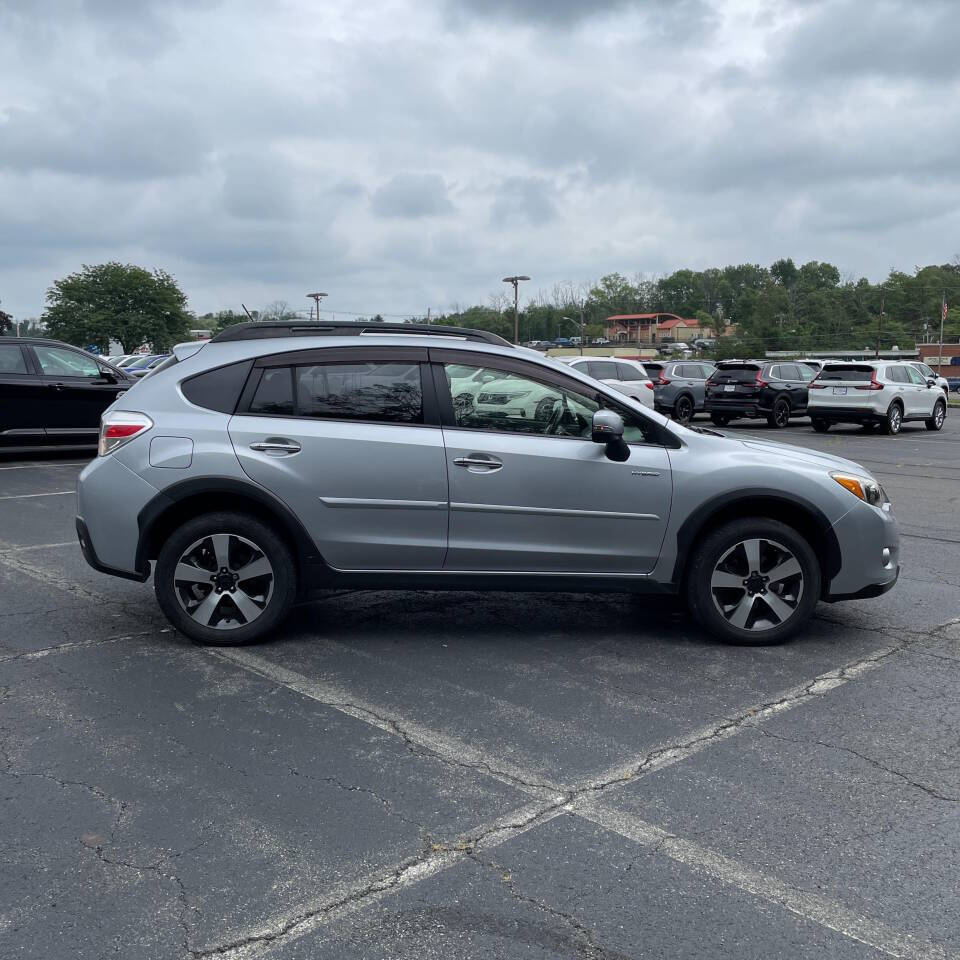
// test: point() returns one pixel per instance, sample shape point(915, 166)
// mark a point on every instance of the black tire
point(821, 426)
point(779, 416)
point(245, 532)
point(683, 409)
point(893, 420)
point(939, 416)
point(720, 419)
point(869, 426)
point(703, 562)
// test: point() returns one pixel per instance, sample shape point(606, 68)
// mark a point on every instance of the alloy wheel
point(684, 410)
point(757, 584)
point(223, 581)
point(895, 418)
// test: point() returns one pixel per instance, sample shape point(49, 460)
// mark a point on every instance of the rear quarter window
point(218, 389)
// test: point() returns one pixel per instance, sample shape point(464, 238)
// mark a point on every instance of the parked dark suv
point(757, 388)
point(678, 386)
point(52, 394)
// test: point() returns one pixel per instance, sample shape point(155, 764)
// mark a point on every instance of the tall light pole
point(516, 309)
point(316, 298)
point(579, 324)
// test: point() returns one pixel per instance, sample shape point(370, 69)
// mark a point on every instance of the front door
point(920, 397)
point(342, 437)
point(529, 490)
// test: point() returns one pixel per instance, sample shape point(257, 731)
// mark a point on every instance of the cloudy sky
point(401, 154)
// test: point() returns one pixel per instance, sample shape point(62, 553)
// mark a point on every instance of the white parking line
point(811, 906)
point(27, 496)
point(36, 465)
point(580, 800)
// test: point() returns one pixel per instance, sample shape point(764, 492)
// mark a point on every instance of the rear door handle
point(490, 463)
point(57, 386)
point(276, 447)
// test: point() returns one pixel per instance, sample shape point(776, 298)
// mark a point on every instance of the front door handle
point(57, 386)
point(490, 463)
point(276, 447)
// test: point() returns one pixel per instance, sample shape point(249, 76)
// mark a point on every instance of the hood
point(805, 455)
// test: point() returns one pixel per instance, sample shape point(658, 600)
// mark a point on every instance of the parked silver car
point(277, 458)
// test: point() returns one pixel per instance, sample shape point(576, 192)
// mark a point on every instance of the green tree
point(115, 301)
point(6, 323)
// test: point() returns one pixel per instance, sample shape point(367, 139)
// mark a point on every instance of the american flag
point(943, 310)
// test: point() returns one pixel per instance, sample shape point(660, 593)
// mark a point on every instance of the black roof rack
point(264, 330)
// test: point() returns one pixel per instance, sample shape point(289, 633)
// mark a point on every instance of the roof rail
point(263, 330)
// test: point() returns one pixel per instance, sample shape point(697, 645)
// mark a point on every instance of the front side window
point(515, 403)
point(914, 374)
point(57, 362)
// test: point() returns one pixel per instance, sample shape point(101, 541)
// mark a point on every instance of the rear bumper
point(736, 408)
point(90, 555)
point(844, 414)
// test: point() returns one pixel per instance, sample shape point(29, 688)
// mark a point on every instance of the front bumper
point(869, 545)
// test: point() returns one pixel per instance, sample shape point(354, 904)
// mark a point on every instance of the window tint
point(789, 371)
point(514, 403)
point(916, 376)
point(739, 373)
point(848, 373)
point(806, 373)
point(626, 371)
point(897, 374)
point(274, 396)
point(602, 370)
point(385, 392)
point(774, 373)
point(57, 362)
point(11, 359)
point(218, 389)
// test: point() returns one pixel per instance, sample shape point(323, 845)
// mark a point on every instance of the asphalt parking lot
point(467, 775)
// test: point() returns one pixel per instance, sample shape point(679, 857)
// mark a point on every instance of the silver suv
point(278, 458)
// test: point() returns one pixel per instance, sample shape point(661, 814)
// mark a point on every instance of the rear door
point(21, 396)
point(843, 385)
point(349, 439)
point(791, 379)
point(78, 390)
point(530, 492)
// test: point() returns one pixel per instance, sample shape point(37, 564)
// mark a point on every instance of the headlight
point(869, 491)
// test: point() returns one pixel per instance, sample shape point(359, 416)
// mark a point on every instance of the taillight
point(648, 383)
point(760, 381)
point(662, 380)
point(872, 385)
point(817, 386)
point(120, 427)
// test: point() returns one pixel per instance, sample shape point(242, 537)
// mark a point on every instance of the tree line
point(780, 307)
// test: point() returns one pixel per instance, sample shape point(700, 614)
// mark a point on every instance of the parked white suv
point(625, 376)
point(878, 393)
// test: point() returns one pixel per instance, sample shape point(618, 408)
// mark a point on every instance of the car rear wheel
point(821, 426)
point(225, 579)
point(939, 415)
point(720, 419)
point(779, 416)
point(894, 419)
point(683, 409)
point(753, 581)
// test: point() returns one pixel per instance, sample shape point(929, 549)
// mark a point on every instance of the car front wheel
point(939, 415)
point(225, 579)
point(753, 581)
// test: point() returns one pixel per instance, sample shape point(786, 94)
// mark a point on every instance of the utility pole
point(316, 298)
point(428, 316)
point(516, 301)
point(943, 316)
point(883, 303)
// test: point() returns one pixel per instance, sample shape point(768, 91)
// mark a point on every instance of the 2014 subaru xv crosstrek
point(280, 458)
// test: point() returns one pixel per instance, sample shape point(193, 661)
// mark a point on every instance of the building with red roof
point(654, 327)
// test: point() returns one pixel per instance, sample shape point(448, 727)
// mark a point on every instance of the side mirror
point(607, 428)
point(931, 382)
point(107, 374)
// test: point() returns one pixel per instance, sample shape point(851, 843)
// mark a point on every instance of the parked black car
point(52, 394)
point(757, 388)
point(678, 386)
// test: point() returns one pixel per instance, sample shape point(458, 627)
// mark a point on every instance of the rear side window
point(274, 393)
point(11, 359)
point(848, 373)
point(602, 370)
point(626, 371)
point(217, 389)
point(897, 375)
point(384, 392)
point(789, 371)
point(739, 373)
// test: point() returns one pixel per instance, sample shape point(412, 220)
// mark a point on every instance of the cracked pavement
point(420, 775)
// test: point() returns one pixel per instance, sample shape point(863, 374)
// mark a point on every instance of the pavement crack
point(878, 764)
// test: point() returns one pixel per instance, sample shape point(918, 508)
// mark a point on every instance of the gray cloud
point(412, 195)
point(398, 154)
